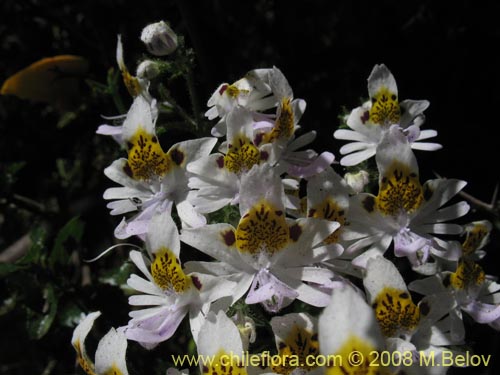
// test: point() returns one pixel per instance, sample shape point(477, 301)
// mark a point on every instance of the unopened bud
point(357, 181)
point(159, 38)
point(148, 70)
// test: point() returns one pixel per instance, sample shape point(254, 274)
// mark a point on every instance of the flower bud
point(148, 70)
point(159, 38)
point(357, 181)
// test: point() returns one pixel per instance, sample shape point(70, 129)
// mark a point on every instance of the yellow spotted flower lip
point(468, 275)
point(387, 292)
point(296, 336)
point(476, 236)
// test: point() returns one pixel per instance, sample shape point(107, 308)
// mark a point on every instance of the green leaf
point(72, 231)
point(117, 277)
point(69, 314)
point(38, 324)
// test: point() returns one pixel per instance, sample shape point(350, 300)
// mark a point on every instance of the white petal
point(347, 315)
point(425, 146)
point(357, 157)
point(163, 233)
point(353, 146)
point(110, 354)
point(381, 273)
point(143, 286)
point(219, 333)
point(350, 135)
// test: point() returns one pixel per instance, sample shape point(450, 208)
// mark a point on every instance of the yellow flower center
point(223, 363)
point(263, 228)
point(474, 238)
point(146, 159)
point(400, 190)
point(114, 370)
point(468, 274)
point(168, 274)
point(355, 357)
point(241, 156)
point(395, 311)
point(131, 83)
point(298, 345)
point(284, 126)
point(385, 108)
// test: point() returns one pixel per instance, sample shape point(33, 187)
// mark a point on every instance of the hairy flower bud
point(357, 181)
point(159, 38)
point(148, 70)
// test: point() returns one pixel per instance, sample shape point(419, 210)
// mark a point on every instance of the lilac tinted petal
point(121, 207)
point(135, 227)
point(317, 166)
point(412, 133)
point(482, 312)
point(157, 328)
point(270, 291)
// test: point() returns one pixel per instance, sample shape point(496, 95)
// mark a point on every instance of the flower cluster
point(298, 231)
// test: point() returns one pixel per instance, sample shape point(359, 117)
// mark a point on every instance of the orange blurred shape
point(53, 80)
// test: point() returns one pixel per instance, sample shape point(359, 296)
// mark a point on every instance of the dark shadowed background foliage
point(51, 176)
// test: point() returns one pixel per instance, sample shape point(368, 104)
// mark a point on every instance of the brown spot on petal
point(424, 308)
point(229, 237)
point(258, 139)
point(369, 203)
point(220, 161)
point(196, 282)
point(264, 155)
point(365, 117)
point(295, 232)
point(127, 170)
point(177, 156)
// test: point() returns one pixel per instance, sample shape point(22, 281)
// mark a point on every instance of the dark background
point(442, 51)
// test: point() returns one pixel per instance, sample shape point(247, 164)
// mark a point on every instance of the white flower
point(406, 326)
point(110, 353)
point(467, 289)
point(251, 92)
point(267, 252)
point(369, 122)
point(169, 292)
point(152, 180)
point(217, 177)
point(280, 133)
point(137, 86)
point(404, 211)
